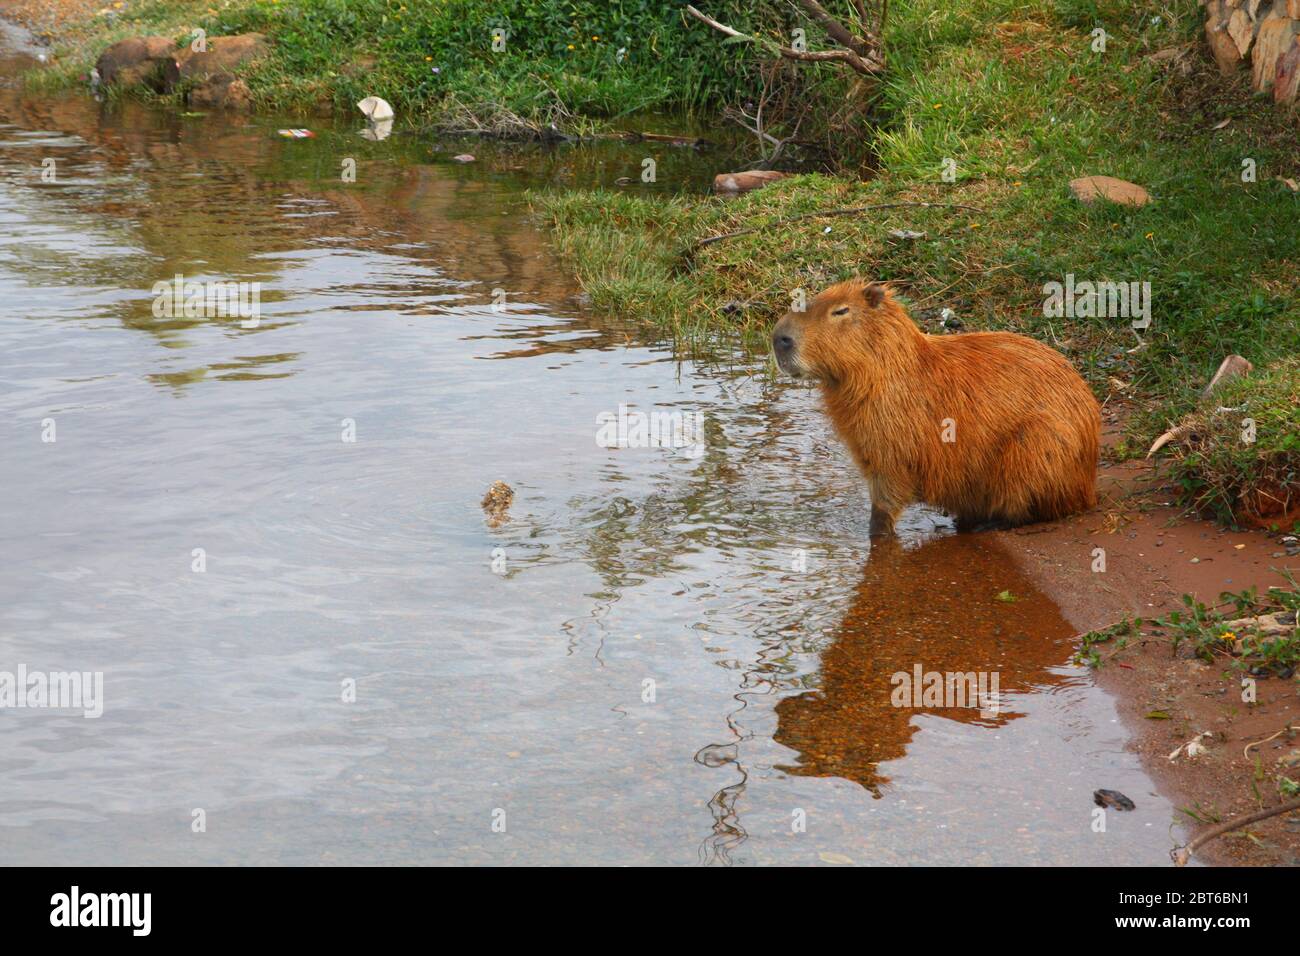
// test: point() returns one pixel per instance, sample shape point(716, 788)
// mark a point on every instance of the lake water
point(660, 657)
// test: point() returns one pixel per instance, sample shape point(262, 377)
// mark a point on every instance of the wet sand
point(1155, 553)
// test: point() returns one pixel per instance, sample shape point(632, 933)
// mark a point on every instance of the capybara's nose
point(782, 340)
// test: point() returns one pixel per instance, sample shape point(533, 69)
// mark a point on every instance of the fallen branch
point(1182, 854)
point(860, 55)
point(827, 213)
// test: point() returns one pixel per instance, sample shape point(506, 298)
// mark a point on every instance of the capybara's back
point(990, 426)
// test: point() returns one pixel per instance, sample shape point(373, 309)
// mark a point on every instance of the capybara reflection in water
point(995, 428)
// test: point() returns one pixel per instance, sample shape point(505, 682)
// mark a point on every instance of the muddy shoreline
point(1154, 554)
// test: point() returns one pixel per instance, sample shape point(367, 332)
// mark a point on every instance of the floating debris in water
point(496, 503)
point(296, 133)
point(376, 109)
point(1113, 798)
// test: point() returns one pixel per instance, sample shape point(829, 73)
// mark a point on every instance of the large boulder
point(134, 61)
point(221, 55)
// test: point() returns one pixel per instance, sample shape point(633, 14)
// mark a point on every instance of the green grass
point(1204, 631)
point(1012, 91)
point(562, 59)
point(1242, 461)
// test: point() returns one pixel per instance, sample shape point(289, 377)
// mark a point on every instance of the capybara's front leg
point(887, 504)
point(882, 523)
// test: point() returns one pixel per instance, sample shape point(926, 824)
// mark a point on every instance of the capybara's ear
point(874, 294)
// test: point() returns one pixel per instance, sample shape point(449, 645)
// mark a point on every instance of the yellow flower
point(570, 46)
point(1150, 235)
point(938, 106)
point(427, 59)
point(595, 39)
point(1228, 636)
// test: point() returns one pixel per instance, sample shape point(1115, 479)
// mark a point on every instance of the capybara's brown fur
point(994, 428)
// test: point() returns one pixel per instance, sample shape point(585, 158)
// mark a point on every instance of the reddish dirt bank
point(45, 18)
point(1154, 554)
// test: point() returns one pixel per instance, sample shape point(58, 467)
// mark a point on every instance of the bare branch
point(836, 30)
point(868, 64)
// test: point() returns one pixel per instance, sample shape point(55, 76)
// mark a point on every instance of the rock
point(133, 61)
point(1275, 37)
point(1225, 51)
point(1293, 9)
point(1242, 30)
point(1112, 798)
point(744, 182)
point(222, 92)
point(1088, 188)
point(1287, 81)
point(1230, 367)
point(223, 55)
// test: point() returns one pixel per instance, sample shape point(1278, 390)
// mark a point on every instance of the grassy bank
point(566, 61)
point(1012, 91)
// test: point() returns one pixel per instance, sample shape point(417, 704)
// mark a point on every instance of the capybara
point(994, 428)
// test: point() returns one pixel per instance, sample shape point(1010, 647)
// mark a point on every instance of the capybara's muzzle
point(785, 347)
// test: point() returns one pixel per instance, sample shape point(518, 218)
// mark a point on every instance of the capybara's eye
point(842, 310)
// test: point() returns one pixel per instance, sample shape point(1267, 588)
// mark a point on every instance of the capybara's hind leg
point(976, 525)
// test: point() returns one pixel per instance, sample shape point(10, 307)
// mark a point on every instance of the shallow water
point(489, 698)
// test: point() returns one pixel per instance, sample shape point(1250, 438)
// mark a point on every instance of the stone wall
point(1262, 35)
